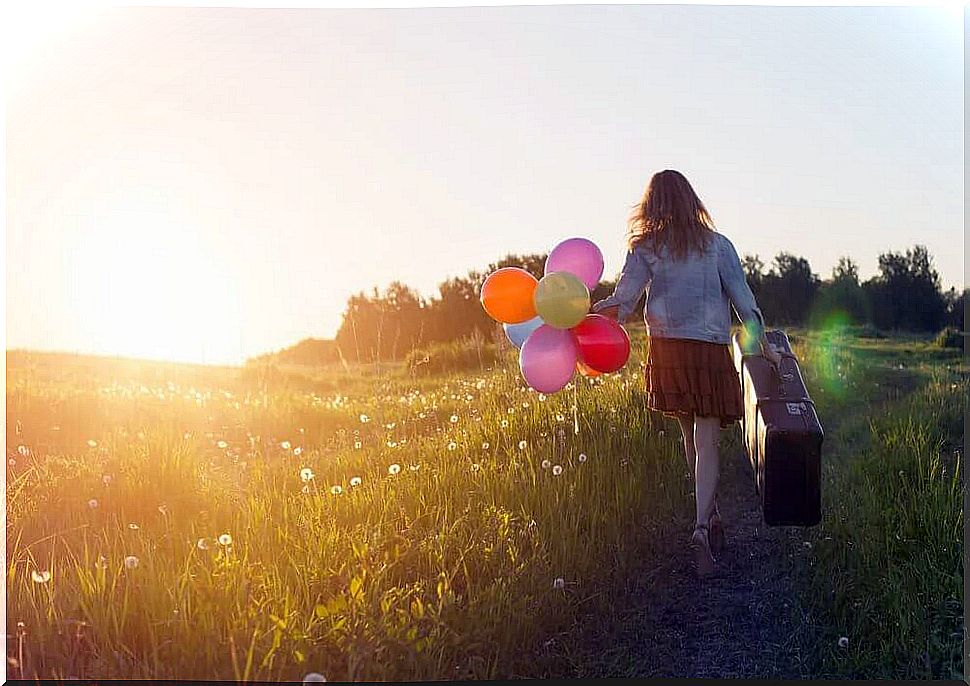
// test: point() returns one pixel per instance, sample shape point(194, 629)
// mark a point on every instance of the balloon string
point(575, 408)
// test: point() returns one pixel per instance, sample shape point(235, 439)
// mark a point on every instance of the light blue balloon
point(517, 333)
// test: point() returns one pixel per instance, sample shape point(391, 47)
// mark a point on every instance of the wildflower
point(133, 526)
point(525, 405)
point(391, 444)
point(93, 504)
point(306, 474)
point(40, 577)
point(452, 445)
point(106, 479)
point(357, 445)
point(285, 445)
point(557, 470)
point(661, 433)
point(314, 678)
point(414, 467)
point(222, 445)
point(355, 481)
point(131, 562)
point(92, 443)
point(559, 417)
point(163, 509)
point(394, 469)
point(582, 457)
point(511, 410)
point(297, 451)
point(23, 450)
point(559, 583)
point(843, 641)
point(522, 445)
point(225, 539)
point(102, 562)
point(476, 467)
point(202, 544)
point(364, 419)
point(546, 464)
point(454, 419)
point(505, 423)
point(12, 462)
point(336, 490)
point(542, 397)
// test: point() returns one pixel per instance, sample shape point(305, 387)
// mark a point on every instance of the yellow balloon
point(561, 299)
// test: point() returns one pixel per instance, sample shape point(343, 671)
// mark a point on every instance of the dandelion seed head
point(559, 583)
point(40, 577)
point(485, 445)
point(364, 419)
point(557, 470)
point(522, 444)
point(306, 474)
point(357, 445)
point(394, 469)
point(355, 481)
point(285, 445)
point(454, 419)
point(336, 489)
point(582, 457)
point(452, 445)
point(505, 423)
point(131, 562)
point(297, 451)
point(133, 526)
point(23, 450)
point(546, 464)
point(92, 443)
point(222, 445)
point(93, 503)
point(843, 641)
point(202, 544)
point(225, 539)
point(414, 467)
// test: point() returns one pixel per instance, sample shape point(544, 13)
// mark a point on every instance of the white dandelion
point(452, 445)
point(222, 445)
point(559, 583)
point(93, 503)
point(414, 467)
point(364, 419)
point(522, 444)
point(546, 464)
point(557, 470)
point(133, 526)
point(92, 443)
point(336, 490)
point(225, 540)
point(843, 641)
point(297, 451)
point(454, 419)
point(485, 445)
point(582, 457)
point(355, 481)
point(202, 544)
point(357, 445)
point(285, 445)
point(40, 577)
point(23, 450)
point(131, 562)
point(306, 474)
point(505, 423)
point(394, 469)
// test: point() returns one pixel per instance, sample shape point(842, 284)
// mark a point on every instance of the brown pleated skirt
point(693, 378)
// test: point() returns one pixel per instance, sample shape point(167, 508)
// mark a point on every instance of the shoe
point(702, 551)
point(716, 534)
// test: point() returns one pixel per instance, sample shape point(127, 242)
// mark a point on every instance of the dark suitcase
point(782, 435)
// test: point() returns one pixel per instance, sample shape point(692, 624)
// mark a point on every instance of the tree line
point(905, 295)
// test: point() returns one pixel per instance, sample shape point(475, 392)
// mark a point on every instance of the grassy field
point(170, 521)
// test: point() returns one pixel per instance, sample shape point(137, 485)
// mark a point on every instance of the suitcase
point(782, 435)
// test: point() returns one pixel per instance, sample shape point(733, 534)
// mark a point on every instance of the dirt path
point(742, 622)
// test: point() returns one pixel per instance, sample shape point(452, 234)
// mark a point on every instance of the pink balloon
point(580, 257)
point(548, 358)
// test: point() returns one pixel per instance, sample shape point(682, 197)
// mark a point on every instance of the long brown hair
point(670, 214)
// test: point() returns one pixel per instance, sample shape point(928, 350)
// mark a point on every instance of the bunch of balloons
point(548, 319)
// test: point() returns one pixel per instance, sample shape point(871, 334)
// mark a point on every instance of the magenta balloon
point(548, 358)
point(580, 257)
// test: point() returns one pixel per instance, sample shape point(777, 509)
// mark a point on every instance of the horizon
point(275, 162)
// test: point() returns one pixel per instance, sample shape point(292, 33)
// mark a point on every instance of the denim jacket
point(688, 298)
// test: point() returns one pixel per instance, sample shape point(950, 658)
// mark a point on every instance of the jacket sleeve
point(630, 286)
point(736, 285)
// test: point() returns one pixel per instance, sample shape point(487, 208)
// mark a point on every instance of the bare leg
point(686, 422)
point(706, 432)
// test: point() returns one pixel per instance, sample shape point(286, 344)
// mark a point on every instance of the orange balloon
point(586, 371)
point(507, 295)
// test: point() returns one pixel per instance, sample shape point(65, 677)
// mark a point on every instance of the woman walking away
point(693, 276)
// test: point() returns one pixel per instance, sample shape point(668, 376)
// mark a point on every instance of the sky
point(210, 184)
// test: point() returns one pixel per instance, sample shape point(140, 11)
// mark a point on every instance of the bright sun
point(144, 289)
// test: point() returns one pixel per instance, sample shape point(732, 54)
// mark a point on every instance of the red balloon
point(602, 342)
